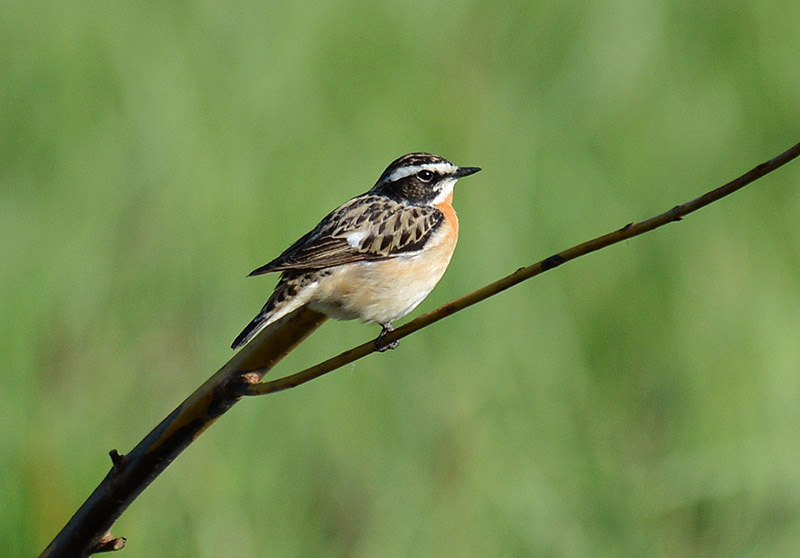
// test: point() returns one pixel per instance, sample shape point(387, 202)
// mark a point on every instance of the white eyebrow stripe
point(402, 172)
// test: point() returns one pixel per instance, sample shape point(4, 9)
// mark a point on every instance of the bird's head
point(420, 179)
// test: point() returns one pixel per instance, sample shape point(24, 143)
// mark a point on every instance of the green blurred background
point(642, 401)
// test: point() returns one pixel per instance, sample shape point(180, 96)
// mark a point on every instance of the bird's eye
point(425, 175)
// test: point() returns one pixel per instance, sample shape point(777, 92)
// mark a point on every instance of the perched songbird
point(376, 257)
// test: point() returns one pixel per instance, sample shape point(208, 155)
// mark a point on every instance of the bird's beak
point(466, 171)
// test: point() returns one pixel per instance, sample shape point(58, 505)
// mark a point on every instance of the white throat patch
point(446, 188)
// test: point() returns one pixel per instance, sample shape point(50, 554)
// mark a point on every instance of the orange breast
point(446, 207)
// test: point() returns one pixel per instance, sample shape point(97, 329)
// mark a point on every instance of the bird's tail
point(250, 331)
point(287, 297)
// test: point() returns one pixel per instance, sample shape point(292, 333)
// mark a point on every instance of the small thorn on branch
point(117, 459)
point(108, 543)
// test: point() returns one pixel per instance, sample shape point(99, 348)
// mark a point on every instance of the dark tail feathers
point(249, 331)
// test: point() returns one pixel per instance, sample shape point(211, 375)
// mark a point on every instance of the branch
point(523, 274)
point(88, 531)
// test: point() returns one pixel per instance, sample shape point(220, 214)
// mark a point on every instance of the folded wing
point(367, 228)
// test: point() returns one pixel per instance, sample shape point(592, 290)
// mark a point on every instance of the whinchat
point(376, 257)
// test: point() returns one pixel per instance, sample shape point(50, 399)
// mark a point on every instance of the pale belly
point(382, 291)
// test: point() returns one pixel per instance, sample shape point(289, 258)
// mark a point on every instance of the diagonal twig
point(628, 231)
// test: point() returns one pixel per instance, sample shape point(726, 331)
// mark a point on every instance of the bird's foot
point(380, 346)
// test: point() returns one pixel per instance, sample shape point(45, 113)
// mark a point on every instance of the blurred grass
point(640, 401)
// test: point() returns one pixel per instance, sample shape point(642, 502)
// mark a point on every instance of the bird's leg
point(379, 346)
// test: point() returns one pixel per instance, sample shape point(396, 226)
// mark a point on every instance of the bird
point(377, 256)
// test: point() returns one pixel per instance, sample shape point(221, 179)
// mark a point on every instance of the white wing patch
point(355, 238)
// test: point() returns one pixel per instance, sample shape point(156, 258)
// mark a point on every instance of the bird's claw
point(380, 346)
